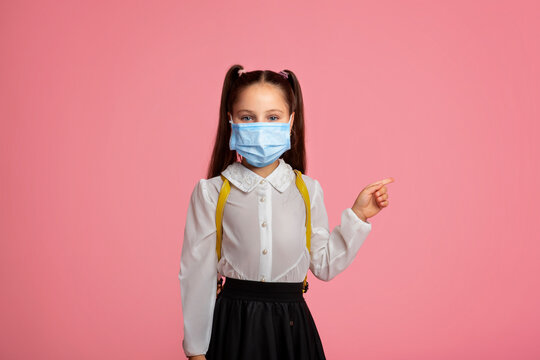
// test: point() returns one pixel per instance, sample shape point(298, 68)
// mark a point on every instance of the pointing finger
point(382, 182)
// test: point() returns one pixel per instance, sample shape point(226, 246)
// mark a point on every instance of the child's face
point(261, 103)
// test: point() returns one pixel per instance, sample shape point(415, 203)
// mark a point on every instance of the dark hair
point(222, 155)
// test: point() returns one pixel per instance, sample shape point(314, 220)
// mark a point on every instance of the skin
point(266, 103)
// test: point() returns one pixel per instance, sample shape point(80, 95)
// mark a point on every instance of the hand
point(372, 199)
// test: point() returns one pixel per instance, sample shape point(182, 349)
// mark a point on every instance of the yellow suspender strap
point(224, 193)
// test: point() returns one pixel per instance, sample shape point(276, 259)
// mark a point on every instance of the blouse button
point(262, 181)
point(263, 198)
point(262, 279)
point(263, 224)
point(265, 251)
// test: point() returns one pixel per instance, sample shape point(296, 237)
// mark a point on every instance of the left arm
point(332, 252)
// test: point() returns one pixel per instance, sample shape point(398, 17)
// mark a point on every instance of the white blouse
point(263, 238)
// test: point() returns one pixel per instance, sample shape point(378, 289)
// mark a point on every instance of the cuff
point(353, 215)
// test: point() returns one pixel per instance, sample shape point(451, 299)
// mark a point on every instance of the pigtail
point(297, 157)
point(222, 155)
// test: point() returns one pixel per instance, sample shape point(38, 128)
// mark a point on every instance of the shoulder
point(207, 189)
point(313, 186)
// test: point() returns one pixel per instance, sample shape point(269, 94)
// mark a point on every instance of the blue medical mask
point(261, 143)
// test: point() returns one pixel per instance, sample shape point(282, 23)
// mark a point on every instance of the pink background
point(108, 112)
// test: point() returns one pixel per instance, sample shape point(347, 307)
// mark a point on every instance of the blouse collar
point(246, 180)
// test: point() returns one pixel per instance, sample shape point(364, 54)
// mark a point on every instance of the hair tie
point(284, 74)
point(240, 72)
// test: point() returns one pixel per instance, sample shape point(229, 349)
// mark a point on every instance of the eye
point(275, 116)
point(243, 117)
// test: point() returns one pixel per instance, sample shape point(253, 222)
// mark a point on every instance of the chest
point(263, 216)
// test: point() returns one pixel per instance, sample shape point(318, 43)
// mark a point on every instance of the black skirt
point(263, 321)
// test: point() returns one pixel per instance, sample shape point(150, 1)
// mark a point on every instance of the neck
point(261, 171)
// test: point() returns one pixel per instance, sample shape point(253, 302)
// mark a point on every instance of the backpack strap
point(300, 184)
point(224, 193)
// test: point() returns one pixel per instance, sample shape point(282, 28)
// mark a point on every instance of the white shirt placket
point(264, 194)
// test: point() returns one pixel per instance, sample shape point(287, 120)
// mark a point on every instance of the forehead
point(258, 97)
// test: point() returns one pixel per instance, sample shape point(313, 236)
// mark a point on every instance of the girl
point(273, 224)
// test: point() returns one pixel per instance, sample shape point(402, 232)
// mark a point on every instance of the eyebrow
point(271, 110)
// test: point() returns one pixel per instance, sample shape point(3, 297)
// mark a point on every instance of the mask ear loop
point(290, 127)
point(238, 156)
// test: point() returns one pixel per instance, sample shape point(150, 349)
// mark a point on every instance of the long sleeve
point(198, 271)
point(332, 252)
